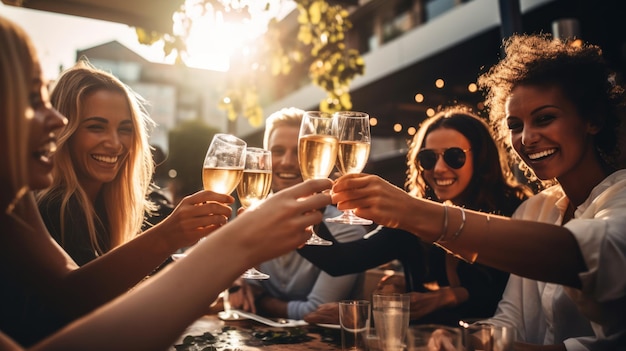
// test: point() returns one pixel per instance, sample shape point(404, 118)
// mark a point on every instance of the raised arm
point(120, 269)
point(386, 245)
point(499, 242)
point(153, 315)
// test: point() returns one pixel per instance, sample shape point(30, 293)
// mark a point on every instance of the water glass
point(391, 319)
point(354, 318)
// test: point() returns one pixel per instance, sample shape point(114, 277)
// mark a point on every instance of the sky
point(57, 37)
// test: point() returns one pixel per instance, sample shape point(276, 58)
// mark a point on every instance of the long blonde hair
point(125, 196)
point(19, 67)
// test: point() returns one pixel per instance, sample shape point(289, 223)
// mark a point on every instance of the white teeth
point(106, 159)
point(46, 151)
point(444, 182)
point(287, 175)
point(541, 154)
point(52, 147)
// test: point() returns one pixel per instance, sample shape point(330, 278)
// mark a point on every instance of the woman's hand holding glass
point(352, 154)
point(196, 216)
point(374, 198)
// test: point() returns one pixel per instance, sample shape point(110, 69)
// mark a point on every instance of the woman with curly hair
point(452, 158)
point(558, 107)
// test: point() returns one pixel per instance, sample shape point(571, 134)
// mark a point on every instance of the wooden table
point(243, 335)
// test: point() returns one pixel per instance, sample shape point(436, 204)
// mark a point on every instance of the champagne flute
point(352, 155)
point(222, 169)
point(317, 152)
point(224, 163)
point(254, 186)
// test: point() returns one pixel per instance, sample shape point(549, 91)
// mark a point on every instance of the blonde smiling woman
point(155, 313)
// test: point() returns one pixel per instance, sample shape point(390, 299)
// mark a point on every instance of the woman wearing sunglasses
point(452, 158)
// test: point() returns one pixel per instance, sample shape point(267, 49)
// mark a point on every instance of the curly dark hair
point(578, 69)
point(493, 188)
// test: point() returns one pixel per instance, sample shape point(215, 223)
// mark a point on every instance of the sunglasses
point(454, 157)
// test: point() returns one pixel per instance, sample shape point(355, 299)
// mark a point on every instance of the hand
point(280, 223)
point(327, 313)
point(243, 297)
point(425, 303)
point(391, 284)
point(371, 197)
point(195, 217)
point(441, 340)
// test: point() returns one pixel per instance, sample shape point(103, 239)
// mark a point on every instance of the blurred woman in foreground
point(155, 313)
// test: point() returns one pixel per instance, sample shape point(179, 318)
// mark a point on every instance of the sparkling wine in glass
point(223, 164)
point(222, 169)
point(317, 152)
point(253, 187)
point(354, 149)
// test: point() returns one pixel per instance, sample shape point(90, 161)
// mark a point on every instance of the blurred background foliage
point(320, 44)
point(188, 143)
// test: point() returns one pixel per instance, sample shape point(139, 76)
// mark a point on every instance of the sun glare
point(213, 38)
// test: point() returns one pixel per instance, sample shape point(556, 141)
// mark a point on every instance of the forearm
point(423, 304)
point(519, 346)
point(350, 257)
point(505, 244)
point(114, 273)
point(271, 306)
point(496, 241)
point(163, 307)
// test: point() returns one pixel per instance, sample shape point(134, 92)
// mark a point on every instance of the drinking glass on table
point(391, 319)
point(317, 152)
point(352, 154)
point(254, 186)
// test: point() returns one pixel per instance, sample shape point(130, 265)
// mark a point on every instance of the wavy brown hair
point(492, 186)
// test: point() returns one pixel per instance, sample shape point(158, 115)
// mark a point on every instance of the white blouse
point(594, 317)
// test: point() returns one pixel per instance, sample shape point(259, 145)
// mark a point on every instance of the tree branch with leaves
point(321, 43)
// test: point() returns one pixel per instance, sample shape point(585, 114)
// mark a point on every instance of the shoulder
point(544, 205)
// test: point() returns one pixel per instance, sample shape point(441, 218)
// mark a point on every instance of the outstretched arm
point(353, 256)
point(154, 314)
point(115, 272)
point(502, 243)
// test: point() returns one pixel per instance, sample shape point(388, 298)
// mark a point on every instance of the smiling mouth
point(444, 182)
point(105, 159)
point(540, 155)
point(285, 175)
point(46, 151)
